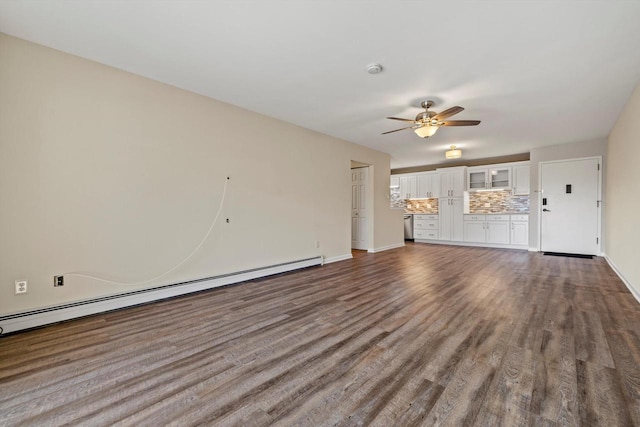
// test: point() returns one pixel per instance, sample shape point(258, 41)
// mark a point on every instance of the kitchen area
point(473, 206)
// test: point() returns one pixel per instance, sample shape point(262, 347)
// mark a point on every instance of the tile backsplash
point(482, 202)
point(396, 200)
point(426, 206)
point(497, 202)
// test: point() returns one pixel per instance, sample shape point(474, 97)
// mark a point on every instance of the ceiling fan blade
point(448, 113)
point(404, 120)
point(461, 123)
point(396, 130)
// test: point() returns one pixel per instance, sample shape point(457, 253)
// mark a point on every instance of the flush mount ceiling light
point(453, 153)
point(374, 69)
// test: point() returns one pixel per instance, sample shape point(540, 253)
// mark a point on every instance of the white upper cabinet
point(428, 185)
point(476, 179)
point(452, 181)
point(489, 178)
point(421, 185)
point(520, 183)
point(408, 186)
point(499, 177)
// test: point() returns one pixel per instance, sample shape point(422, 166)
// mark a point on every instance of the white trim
point(39, 317)
point(337, 258)
point(473, 244)
point(385, 248)
point(533, 249)
point(635, 292)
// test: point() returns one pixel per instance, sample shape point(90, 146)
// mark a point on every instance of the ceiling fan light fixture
point(426, 131)
point(453, 153)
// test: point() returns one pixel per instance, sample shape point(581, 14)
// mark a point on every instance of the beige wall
point(562, 152)
point(623, 193)
point(106, 172)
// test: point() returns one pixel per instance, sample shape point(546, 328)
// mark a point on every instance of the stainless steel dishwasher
point(408, 227)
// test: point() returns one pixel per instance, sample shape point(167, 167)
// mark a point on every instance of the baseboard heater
point(44, 316)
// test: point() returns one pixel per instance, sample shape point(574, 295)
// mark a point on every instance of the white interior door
point(359, 214)
point(569, 206)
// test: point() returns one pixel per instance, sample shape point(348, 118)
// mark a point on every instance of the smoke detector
point(374, 69)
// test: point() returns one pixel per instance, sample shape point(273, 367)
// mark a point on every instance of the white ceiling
point(535, 72)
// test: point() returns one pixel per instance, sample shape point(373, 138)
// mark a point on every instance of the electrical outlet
point(317, 243)
point(58, 281)
point(21, 287)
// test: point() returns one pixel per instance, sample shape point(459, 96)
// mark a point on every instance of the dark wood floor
point(422, 335)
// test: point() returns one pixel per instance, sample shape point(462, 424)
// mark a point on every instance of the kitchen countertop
point(498, 213)
point(473, 213)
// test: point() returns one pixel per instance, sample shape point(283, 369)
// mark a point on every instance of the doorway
point(570, 206)
point(360, 215)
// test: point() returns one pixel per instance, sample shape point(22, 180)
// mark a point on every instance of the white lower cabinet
point(426, 234)
point(425, 227)
point(474, 231)
point(492, 229)
point(498, 232)
point(520, 230)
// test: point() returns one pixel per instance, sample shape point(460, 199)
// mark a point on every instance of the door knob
point(546, 210)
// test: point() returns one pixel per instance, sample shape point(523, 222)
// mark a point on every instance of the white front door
point(569, 206)
point(359, 179)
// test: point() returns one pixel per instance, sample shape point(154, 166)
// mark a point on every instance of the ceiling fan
point(427, 123)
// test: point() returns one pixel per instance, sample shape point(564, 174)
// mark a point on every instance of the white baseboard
point(43, 316)
point(533, 250)
point(635, 292)
point(337, 258)
point(386, 248)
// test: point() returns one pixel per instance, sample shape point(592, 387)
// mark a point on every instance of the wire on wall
point(197, 248)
